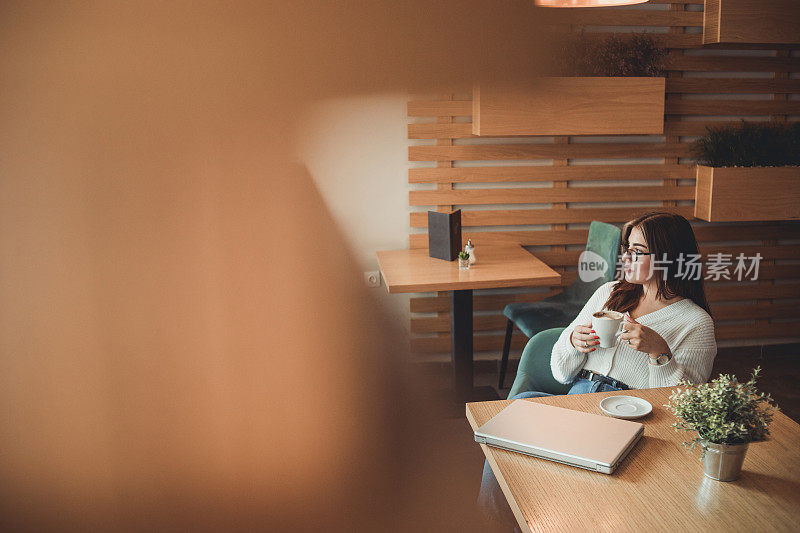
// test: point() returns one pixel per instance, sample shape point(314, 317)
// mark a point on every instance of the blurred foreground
point(185, 343)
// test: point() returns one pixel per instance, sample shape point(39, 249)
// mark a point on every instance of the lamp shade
point(586, 3)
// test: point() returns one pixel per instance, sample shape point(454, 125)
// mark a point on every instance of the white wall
point(356, 150)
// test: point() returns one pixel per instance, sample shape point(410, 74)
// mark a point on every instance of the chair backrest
point(534, 366)
point(604, 241)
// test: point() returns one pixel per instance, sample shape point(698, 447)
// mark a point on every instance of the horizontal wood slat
point(493, 152)
point(767, 252)
point(731, 107)
point(610, 16)
point(440, 131)
point(733, 64)
point(741, 232)
point(525, 238)
point(732, 85)
point(695, 127)
point(704, 234)
point(480, 301)
point(491, 174)
point(488, 343)
point(678, 2)
point(549, 195)
point(715, 292)
point(568, 237)
point(439, 108)
point(497, 322)
point(741, 312)
point(694, 40)
point(570, 257)
point(481, 343)
point(776, 330)
point(441, 324)
point(512, 217)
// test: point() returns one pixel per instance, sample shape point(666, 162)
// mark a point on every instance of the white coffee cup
point(607, 325)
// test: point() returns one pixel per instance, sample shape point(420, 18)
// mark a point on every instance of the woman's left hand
point(642, 338)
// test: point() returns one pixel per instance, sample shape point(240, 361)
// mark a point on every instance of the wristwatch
point(662, 359)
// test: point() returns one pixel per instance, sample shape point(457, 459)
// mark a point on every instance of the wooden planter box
point(728, 194)
point(751, 21)
point(570, 106)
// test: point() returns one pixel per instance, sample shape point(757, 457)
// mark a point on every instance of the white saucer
point(625, 406)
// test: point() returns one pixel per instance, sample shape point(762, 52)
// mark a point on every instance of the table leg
point(461, 342)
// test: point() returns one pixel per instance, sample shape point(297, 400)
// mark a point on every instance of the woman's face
point(636, 268)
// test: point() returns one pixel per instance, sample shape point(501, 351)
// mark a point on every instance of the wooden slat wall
point(548, 172)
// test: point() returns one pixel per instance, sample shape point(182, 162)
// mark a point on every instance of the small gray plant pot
point(723, 462)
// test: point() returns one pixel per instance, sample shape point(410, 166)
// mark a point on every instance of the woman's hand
point(583, 338)
point(642, 338)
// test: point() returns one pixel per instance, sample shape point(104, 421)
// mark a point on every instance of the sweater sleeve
point(565, 360)
point(692, 357)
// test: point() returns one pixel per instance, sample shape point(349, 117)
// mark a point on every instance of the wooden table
point(496, 267)
point(658, 487)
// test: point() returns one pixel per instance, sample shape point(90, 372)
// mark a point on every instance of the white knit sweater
point(685, 326)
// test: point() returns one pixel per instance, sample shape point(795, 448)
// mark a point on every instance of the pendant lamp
point(586, 3)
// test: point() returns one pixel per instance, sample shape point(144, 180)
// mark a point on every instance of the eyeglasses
point(633, 253)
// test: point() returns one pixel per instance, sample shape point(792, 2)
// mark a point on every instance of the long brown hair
point(668, 236)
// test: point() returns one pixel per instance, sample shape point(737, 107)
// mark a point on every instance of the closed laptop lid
point(563, 431)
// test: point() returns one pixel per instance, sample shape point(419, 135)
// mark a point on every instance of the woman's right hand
point(584, 339)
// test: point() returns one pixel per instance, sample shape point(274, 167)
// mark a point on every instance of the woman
point(667, 333)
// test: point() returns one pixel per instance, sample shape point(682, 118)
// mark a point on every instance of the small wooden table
point(657, 487)
point(496, 267)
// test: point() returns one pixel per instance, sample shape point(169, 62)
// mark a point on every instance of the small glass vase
point(463, 264)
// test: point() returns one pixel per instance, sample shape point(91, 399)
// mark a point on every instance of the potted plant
point(727, 416)
point(463, 260)
point(602, 86)
point(612, 56)
point(748, 171)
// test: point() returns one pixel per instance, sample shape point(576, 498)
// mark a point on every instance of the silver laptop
point(575, 438)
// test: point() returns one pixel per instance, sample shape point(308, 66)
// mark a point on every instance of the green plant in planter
point(749, 144)
point(723, 411)
point(463, 255)
point(597, 55)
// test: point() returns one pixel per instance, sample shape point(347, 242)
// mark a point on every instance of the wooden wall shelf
point(751, 21)
point(570, 106)
point(726, 194)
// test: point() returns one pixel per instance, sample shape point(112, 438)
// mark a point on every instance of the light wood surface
point(658, 487)
point(751, 21)
point(500, 152)
point(496, 267)
point(548, 195)
point(747, 193)
point(514, 217)
point(569, 106)
point(493, 174)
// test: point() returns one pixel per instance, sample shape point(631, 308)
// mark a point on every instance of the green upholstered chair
point(534, 366)
point(561, 309)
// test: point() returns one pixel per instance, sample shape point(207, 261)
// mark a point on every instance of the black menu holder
point(444, 235)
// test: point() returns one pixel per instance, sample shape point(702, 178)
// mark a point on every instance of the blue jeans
point(491, 499)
